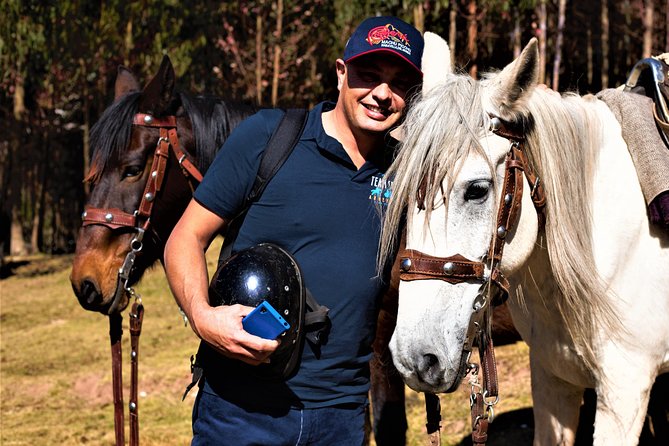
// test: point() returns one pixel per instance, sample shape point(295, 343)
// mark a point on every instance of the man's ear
point(341, 73)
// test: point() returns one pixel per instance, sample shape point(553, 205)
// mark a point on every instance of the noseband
point(140, 219)
point(494, 290)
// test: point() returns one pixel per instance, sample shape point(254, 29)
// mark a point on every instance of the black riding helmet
point(266, 272)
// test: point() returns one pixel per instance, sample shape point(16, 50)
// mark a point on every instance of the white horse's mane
point(563, 135)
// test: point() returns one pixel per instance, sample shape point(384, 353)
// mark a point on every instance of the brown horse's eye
point(132, 171)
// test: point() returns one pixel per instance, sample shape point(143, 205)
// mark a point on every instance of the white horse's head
point(448, 182)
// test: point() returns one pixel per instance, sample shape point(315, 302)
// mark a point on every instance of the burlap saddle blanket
point(645, 130)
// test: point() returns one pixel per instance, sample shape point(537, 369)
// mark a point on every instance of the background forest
point(58, 62)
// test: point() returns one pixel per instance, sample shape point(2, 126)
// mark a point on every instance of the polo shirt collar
point(314, 131)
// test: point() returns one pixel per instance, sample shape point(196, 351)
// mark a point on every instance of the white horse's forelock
point(450, 117)
point(445, 125)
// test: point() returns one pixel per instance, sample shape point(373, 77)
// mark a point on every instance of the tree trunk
point(542, 41)
point(19, 98)
point(40, 180)
point(605, 44)
point(17, 244)
point(37, 191)
point(419, 17)
point(259, 59)
point(86, 141)
point(452, 29)
point(589, 55)
point(649, 6)
point(629, 47)
point(472, 48)
point(558, 45)
point(666, 28)
point(277, 52)
point(517, 44)
point(128, 42)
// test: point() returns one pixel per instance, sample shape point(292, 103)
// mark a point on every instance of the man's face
point(373, 89)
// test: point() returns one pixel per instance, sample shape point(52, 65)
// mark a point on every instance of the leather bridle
point(494, 290)
point(139, 221)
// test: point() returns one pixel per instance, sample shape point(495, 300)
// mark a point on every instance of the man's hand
point(221, 327)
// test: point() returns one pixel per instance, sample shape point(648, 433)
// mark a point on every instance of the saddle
point(641, 107)
point(650, 77)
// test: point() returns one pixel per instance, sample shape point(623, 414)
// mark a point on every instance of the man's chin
point(379, 126)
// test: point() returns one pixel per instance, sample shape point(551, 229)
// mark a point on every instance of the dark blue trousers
point(220, 422)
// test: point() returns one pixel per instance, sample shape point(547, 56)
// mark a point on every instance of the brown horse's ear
point(125, 82)
point(157, 95)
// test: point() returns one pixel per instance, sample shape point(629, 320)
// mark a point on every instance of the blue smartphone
point(264, 321)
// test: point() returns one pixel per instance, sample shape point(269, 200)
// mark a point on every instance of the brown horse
point(125, 151)
point(124, 160)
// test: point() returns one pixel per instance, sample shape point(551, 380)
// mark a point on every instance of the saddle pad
point(634, 112)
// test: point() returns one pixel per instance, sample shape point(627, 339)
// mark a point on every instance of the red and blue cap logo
point(388, 34)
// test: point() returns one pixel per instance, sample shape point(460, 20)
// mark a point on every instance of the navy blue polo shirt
point(322, 209)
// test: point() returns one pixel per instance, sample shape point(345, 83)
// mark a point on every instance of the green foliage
point(58, 59)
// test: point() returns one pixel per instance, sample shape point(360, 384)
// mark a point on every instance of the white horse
point(589, 290)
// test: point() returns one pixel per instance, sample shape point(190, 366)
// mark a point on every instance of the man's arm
point(186, 268)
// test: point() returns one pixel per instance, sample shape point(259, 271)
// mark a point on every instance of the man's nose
point(382, 93)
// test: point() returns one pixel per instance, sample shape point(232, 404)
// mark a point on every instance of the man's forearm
point(187, 275)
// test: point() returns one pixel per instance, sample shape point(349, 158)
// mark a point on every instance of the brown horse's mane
point(212, 119)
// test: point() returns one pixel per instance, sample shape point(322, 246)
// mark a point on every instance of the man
point(320, 207)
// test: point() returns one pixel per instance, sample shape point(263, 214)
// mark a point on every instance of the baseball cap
point(388, 34)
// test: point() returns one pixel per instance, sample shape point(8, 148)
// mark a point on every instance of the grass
point(55, 369)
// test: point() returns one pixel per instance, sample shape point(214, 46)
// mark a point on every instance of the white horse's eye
point(477, 190)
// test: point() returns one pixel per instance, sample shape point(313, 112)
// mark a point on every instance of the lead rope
point(115, 334)
point(433, 425)
point(484, 397)
point(136, 317)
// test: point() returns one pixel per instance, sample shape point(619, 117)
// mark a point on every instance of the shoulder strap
point(278, 149)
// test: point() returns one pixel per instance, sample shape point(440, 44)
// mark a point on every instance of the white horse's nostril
point(429, 370)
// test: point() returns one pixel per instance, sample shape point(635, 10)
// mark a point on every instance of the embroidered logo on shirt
point(380, 190)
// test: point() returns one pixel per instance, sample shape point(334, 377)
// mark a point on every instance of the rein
point(494, 289)
point(139, 222)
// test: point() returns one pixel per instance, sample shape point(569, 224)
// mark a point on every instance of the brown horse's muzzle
point(99, 254)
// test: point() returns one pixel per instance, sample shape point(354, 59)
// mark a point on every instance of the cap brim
point(388, 51)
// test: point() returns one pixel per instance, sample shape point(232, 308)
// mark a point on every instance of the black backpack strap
point(280, 146)
point(278, 149)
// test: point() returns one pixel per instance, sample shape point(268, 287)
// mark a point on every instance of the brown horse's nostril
point(89, 296)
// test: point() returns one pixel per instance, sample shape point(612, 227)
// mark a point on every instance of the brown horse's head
point(124, 161)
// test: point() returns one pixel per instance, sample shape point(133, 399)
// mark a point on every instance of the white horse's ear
point(512, 85)
point(436, 61)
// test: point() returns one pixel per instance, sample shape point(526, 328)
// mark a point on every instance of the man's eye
point(401, 85)
point(132, 171)
point(368, 76)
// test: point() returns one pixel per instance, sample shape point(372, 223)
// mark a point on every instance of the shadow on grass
point(32, 266)
point(7, 268)
point(517, 427)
